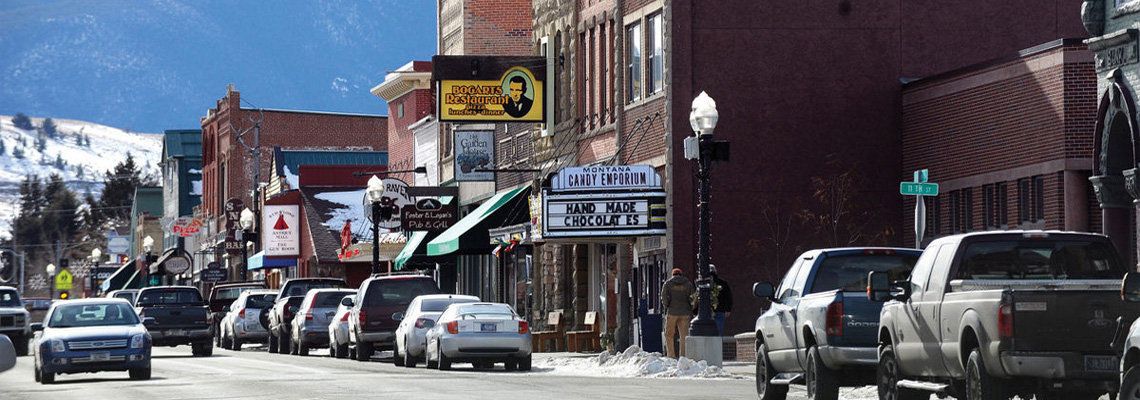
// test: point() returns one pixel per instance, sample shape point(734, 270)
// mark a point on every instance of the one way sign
point(428, 205)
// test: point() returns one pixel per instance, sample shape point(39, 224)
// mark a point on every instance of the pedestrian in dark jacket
point(675, 295)
point(723, 307)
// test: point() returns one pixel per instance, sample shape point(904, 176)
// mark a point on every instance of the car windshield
point(76, 315)
point(232, 293)
point(1040, 259)
point(128, 296)
point(301, 288)
point(9, 298)
point(397, 292)
point(329, 299)
point(849, 272)
point(438, 305)
point(170, 296)
point(260, 300)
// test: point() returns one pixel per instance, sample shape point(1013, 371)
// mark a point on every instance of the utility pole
point(255, 195)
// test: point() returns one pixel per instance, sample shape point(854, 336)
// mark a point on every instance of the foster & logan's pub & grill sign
point(621, 200)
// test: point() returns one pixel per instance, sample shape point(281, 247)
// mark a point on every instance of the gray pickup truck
point(180, 317)
point(15, 321)
point(821, 328)
point(989, 315)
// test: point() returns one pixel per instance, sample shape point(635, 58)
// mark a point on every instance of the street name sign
point(918, 188)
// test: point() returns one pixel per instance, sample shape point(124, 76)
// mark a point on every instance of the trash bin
point(650, 329)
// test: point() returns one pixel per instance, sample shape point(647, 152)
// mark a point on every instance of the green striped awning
point(469, 235)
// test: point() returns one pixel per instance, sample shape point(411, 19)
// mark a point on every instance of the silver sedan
point(481, 334)
point(417, 320)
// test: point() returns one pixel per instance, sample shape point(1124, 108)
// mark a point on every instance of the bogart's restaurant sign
point(490, 89)
point(622, 200)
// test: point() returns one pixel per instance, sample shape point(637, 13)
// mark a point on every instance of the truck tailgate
point(1068, 319)
point(177, 317)
point(860, 320)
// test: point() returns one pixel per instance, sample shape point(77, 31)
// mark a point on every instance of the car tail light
point(363, 318)
point(885, 252)
point(522, 326)
point(344, 318)
point(286, 313)
point(453, 327)
point(1005, 321)
point(422, 323)
point(835, 319)
point(309, 314)
point(241, 314)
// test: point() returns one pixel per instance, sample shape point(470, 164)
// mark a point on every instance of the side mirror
point(763, 290)
point(37, 327)
point(1130, 288)
point(398, 316)
point(148, 321)
point(878, 286)
point(347, 302)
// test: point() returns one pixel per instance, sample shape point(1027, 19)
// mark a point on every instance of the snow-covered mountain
point(82, 166)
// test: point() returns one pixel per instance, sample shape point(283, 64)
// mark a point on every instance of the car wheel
point(21, 344)
point(409, 361)
point(36, 372)
point(363, 351)
point(979, 384)
point(47, 377)
point(509, 365)
point(342, 350)
point(428, 363)
point(822, 384)
point(235, 344)
point(218, 335)
point(332, 350)
point(764, 374)
point(888, 376)
point(524, 364)
point(207, 349)
point(294, 347)
point(397, 358)
point(283, 342)
point(1130, 385)
point(444, 363)
point(302, 349)
point(140, 374)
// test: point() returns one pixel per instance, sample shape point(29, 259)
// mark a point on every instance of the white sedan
point(481, 334)
point(242, 323)
point(415, 322)
point(338, 328)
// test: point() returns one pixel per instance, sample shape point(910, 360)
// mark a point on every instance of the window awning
point(469, 235)
point(258, 261)
point(120, 277)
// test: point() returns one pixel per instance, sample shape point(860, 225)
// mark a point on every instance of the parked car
point(180, 316)
point(37, 307)
point(996, 314)
point(411, 334)
point(1129, 346)
point(15, 321)
point(221, 296)
point(125, 294)
point(242, 319)
point(338, 328)
point(310, 327)
point(481, 334)
point(281, 314)
point(90, 335)
point(821, 328)
point(370, 325)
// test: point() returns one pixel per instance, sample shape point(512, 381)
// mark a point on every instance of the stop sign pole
point(920, 187)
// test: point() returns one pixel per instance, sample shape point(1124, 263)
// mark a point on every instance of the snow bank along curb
point(634, 363)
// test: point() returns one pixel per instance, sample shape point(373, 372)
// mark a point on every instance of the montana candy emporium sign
point(490, 89)
point(622, 200)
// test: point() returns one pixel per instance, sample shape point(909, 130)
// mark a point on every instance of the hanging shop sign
point(535, 203)
point(428, 215)
point(395, 198)
point(214, 273)
point(185, 226)
point(280, 231)
point(603, 214)
point(489, 89)
point(176, 265)
point(474, 150)
point(616, 177)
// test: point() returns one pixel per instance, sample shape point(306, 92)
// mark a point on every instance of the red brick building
point(229, 169)
point(408, 93)
point(1009, 141)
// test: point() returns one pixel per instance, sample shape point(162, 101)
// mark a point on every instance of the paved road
point(255, 374)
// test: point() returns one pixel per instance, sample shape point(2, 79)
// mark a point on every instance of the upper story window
point(400, 111)
point(654, 38)
point(633, 35)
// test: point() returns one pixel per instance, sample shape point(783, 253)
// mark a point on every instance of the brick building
point(962, 125)
point(229, 170)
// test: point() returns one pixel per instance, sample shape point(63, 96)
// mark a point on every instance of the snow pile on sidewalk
point(633, 363)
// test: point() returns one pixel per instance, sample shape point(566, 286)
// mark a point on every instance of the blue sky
point(150, 65)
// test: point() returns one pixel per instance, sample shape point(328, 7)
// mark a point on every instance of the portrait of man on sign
point(518, 104)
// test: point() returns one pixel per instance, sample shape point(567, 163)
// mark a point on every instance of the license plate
point(1101, 363)
point(489, 327)
point(176, 332)
point(100, 356)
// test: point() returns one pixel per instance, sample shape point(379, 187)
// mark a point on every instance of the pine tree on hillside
point(18, 153)
point(78, 139)
point(79, 171)
point(22, 121)
point(59, 214)
point(59, 163)
point(41, 143)
point(2, 148)
point(91, 220)
point(119, 190)
point(29, 224)
point(49, 128)
point(87, 139)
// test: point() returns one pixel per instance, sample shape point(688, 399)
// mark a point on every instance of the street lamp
point(96, 256)
point(374, 193)
point(50, 269)
point(247, 221)
point(148, 245)
point(704, 150)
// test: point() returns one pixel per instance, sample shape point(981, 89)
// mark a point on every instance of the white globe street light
point(148, 244)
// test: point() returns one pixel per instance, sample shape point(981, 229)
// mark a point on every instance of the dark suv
point(370, 324)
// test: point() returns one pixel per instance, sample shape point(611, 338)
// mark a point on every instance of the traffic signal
point(63, 295)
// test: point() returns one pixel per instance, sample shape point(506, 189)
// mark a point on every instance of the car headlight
point(137, 341)
point(57, 346)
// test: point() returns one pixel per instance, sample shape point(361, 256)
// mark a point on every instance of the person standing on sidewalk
point(675, 295)
point(722, 308)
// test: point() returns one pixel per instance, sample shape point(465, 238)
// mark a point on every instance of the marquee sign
point(603, 214)
point(489, 89)
point(616, 177)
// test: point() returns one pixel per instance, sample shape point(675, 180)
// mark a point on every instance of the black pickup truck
point(180, 317)
point(990, 315)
